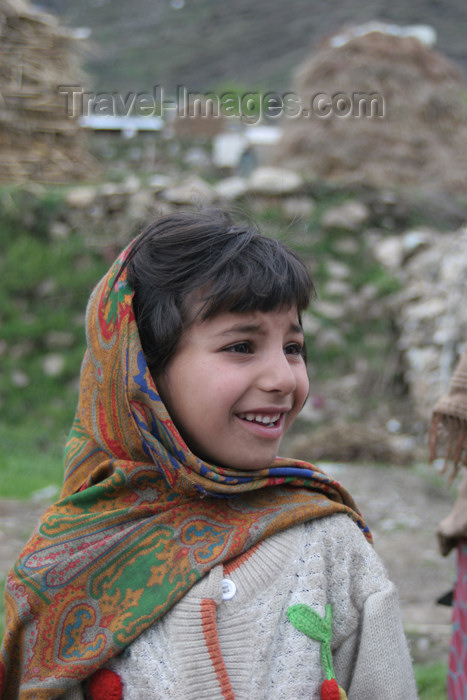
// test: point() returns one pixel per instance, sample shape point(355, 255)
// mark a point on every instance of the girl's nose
point(277, 374)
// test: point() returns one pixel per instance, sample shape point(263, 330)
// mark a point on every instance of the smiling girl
point(185, 559)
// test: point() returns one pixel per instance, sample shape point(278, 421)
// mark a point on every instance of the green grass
point(29, 460)
point(431, 681)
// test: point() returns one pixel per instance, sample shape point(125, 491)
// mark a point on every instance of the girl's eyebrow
point(256, 328)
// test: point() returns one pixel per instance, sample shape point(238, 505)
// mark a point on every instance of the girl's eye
point(295, 349)
point(242, 348)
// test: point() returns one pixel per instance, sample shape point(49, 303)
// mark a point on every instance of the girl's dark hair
point(191, 265)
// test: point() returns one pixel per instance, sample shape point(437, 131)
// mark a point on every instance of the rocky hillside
point(205, 43)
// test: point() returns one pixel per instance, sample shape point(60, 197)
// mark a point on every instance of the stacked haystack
point(419, 141)
point(38, 141)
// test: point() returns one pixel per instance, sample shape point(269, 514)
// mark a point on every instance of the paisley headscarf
point(140, 519)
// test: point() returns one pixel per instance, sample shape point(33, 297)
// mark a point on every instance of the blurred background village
point(110, 114)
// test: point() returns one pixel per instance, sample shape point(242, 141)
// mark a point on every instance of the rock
point(132, 184)
point(20, 379)
point(298, 207)
point(422, 359)
point(368, 292)
point(403, 447)
point(347, 246)
point(129, 186)
point(162, 208)
point(416, 240)
point(81, 197)
point(46, 494)
point(328, 338)
point(337, 288)
point(53, 364)
point(389, 252)
point(115, 196)
point(196, 157)
point(393, 425)
point(140, 205)
point(349, 216)
point(160, 182)
point(78, 320)
point(428, 309)
point(191, 191)
point(47, 287)
point(330, 310)
point(231, 188)
point(356, 307)
point(337, 270)
point(59, 231)
point(311, 324)
point(269, 180)
point(394, 251)
point(59, 340)
point(36, 189)
point(20, 350)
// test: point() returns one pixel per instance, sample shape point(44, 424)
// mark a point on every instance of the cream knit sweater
point(244, 648)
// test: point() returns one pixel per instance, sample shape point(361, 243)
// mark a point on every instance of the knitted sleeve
point(376, 654)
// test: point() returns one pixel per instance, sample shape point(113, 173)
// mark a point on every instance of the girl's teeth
point(265, 420)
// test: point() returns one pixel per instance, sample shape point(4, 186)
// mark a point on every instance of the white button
point(228, 589)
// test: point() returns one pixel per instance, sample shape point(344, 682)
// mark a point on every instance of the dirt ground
point(402, 507)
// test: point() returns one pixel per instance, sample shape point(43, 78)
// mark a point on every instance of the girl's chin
point(248, 465)
point(239, 466)
point(263, 458)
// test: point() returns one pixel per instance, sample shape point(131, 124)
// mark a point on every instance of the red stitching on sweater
point(240, 560)
point(208, 621)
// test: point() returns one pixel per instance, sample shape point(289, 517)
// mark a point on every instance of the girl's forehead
point(251, 321)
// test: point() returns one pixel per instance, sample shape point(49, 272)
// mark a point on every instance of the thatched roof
point(420, 141)
point(38, 140)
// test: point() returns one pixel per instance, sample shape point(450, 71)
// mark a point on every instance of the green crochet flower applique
point(308, 621)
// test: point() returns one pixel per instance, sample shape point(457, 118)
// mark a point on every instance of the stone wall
point(431, 310)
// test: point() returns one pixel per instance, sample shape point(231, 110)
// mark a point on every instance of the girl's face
point(236, 384)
